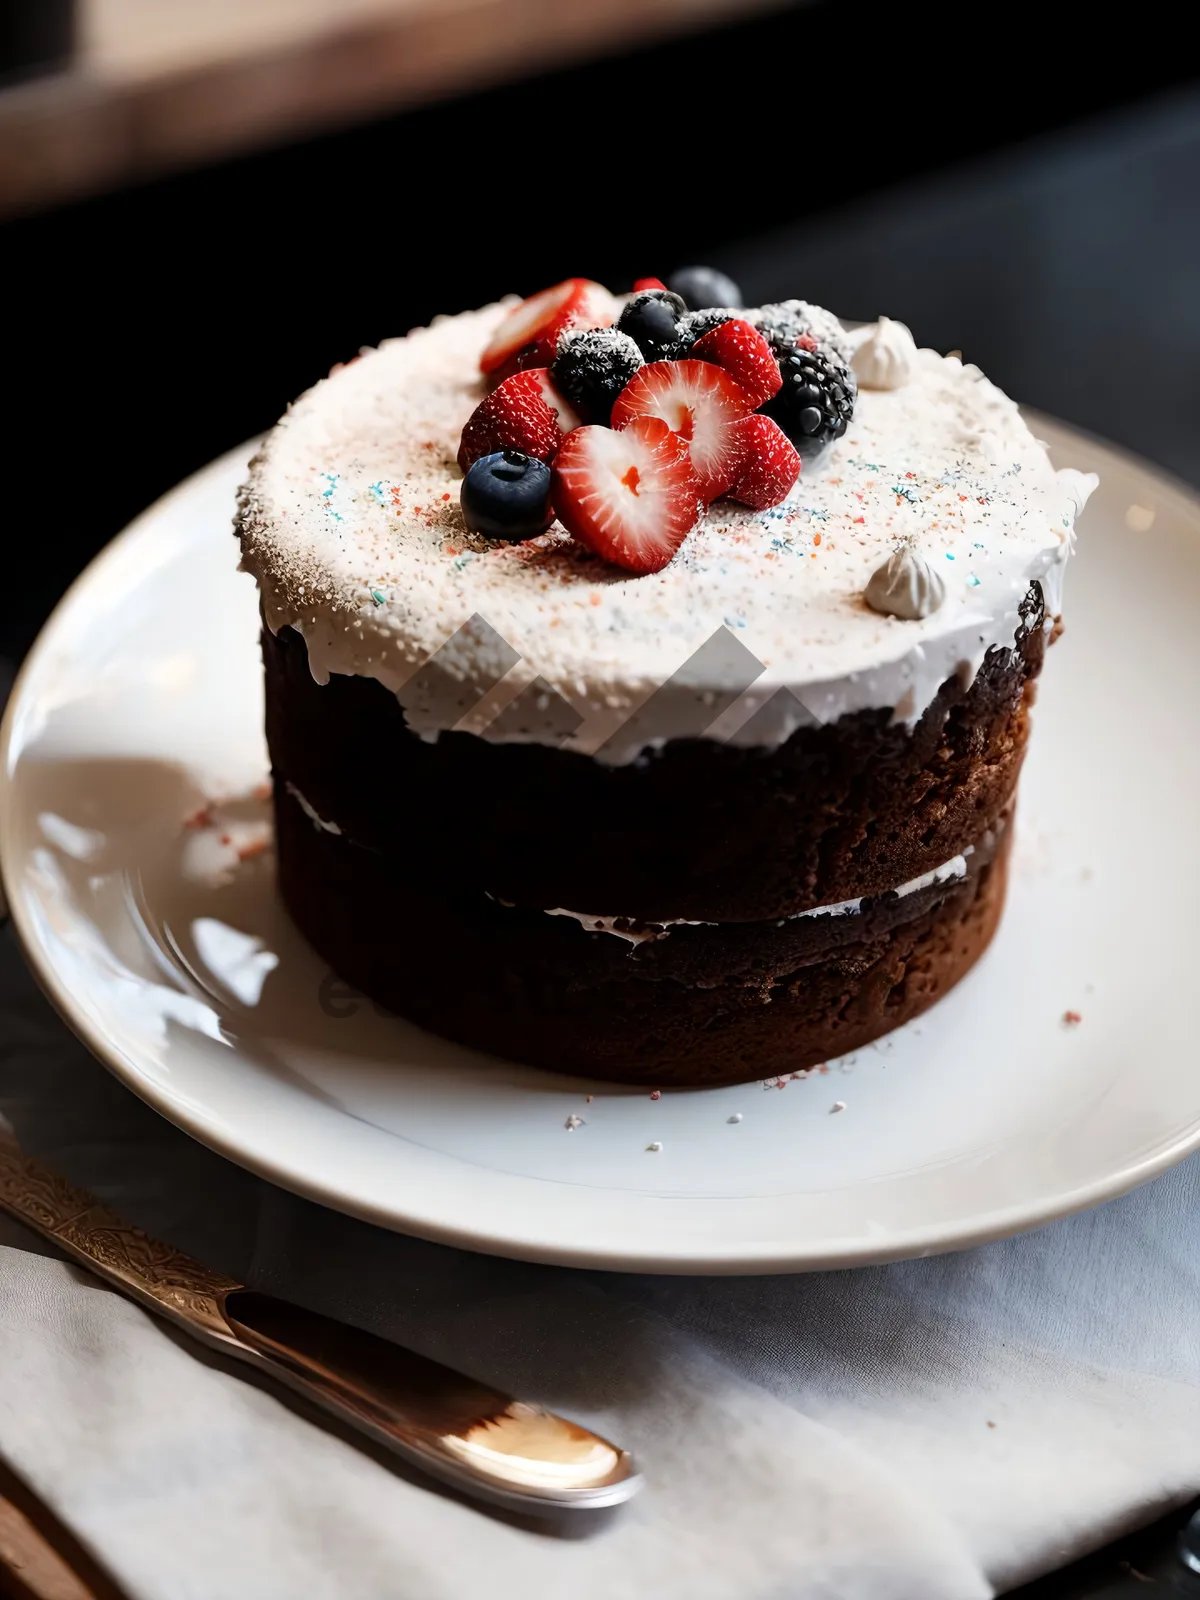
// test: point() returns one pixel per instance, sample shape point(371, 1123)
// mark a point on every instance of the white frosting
point(311, 812)
point(906, 586)
point(885, 356)
point(351, 525)
point(637, 932)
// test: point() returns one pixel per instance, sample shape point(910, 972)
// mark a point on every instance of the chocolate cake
point(696, 761)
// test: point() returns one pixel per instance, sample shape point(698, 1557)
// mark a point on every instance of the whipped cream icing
point(638, 932)
point(906, 585)
point(350, 523)
point(885, 355)
point(310, 811)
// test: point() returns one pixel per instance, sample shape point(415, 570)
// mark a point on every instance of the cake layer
point(698, 1006)
point(696, 830)
point(350, 524)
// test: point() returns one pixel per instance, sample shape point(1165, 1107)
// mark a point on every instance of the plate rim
point(766, 1257)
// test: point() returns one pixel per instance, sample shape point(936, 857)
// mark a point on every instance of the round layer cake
point(717, 822)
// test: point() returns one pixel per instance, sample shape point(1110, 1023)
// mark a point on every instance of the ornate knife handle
point(485, 1443)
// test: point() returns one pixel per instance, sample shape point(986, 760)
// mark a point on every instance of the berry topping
point(701, 287)
point(632, 496)
point(700, 403)
point(592, 367)
point(816, 401)
point(745, 355)
point(526, 412)
point(697, 323)
point(647, 283)
point(789, 322)
point(529, 335)
point(772, 464)
point(507, 496)
point(651, 319)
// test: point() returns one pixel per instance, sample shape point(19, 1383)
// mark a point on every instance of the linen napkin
point(934, 1430)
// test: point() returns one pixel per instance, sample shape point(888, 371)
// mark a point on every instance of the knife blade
point(485, 1443)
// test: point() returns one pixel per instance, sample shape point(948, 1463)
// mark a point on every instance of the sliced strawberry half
point(526, 412)
point(529, 335)
point(632, 496)
point(745, 355)
point(700, 403)
point(772, 463)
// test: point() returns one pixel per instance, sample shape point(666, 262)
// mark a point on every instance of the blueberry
point(507, 496)
point(651, 319)
point(592, 367)
point(702, 287)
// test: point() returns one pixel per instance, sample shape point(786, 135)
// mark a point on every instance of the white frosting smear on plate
point(352, 528)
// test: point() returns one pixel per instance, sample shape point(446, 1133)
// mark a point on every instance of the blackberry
point(816, 401)
point(651, 319)
point(592, 367)
point(702, 287)
point(784, 322)
point(696, 324)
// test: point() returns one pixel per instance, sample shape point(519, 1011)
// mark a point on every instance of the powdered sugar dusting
point(350, 522)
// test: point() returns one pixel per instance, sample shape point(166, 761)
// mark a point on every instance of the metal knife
point(485, 1443)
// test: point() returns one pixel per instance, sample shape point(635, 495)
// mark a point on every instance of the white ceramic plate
point(171, 957)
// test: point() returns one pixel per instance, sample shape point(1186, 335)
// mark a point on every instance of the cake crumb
point(1072, 1019)
point(736, 1117)
point(589, 1098)
point(656, 1094)
point(572, 1123)
point(655, 1144)
point(991, 1424)
point(838, 1105)
point(1140, 519)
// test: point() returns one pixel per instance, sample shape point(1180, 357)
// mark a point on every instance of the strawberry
point(772, 463)
point(529, 334)
point(648, 283)
point(526, 412)
point(632, 496)
point(745, 355)
point(700, 403)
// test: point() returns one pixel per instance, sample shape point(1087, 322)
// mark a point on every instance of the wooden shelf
point(163, 84)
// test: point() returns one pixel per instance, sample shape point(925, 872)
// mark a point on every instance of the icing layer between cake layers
point(350, 524)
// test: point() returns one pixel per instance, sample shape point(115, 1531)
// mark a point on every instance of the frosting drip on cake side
point(350, 523)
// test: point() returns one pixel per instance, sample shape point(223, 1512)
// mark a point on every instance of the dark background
point(1007, 182)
